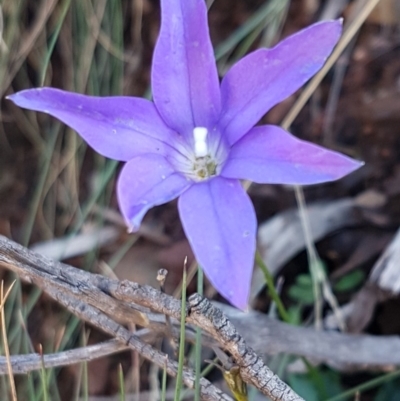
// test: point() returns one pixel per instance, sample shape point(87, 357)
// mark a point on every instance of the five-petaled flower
point(198, 139)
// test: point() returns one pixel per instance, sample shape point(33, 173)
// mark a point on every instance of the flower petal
point(144, 182)
point(184, 74)
point(270, 155)
point(220, 224)
point(267, 76)
point(116, 127)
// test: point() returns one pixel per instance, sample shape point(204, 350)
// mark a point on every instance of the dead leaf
point(68, 247)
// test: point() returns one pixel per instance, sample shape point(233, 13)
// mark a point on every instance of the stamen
point(200, 141)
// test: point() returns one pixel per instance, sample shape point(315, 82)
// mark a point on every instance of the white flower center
point(202, 157)
point(200, 141)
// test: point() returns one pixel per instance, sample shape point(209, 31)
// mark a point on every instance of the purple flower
point(197, 139)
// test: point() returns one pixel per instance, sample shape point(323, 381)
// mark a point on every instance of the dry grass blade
point(28, 41)
point(3, 299)
point(3, 46)
point(348, 35)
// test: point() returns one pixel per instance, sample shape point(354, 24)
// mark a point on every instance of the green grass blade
point(53, 41)
point(200, 284)
point(262, 16)
point(181, 358)
point(121, 383)
point(43, 378)
point(271, 288)
point(164, 385)
point(46, 161)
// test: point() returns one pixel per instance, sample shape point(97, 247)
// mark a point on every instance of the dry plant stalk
point(3, 299)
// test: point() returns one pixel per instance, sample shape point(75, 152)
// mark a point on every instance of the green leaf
point(350, 281)
point(302, 295)
point(303, 386)
point(316, 385)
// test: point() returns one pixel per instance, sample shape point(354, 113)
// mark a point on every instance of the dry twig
point(95, 298)
point(90, 297)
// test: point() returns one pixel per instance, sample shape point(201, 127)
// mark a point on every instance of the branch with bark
point(94, 299)
point(107, 303)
